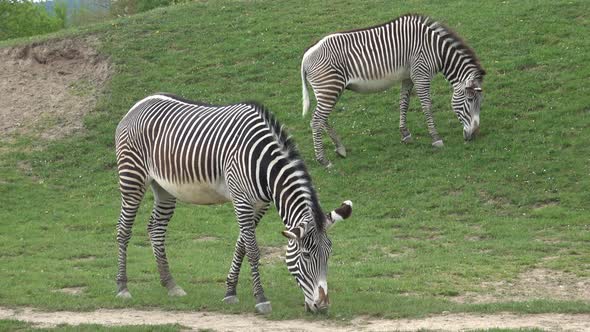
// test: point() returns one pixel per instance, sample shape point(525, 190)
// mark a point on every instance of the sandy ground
point(224, 322)
point(46, 88)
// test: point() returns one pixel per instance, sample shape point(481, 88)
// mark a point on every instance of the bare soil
point(72, 290)
point(225, 322)
point(47, 87)
point(537, 283)
point(271, 255)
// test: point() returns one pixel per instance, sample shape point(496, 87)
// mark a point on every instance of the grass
point(428, 224)
point(17, 326)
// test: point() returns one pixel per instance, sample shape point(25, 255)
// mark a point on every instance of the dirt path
point(226, 322)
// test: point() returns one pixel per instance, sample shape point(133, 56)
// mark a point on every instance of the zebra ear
point(470, 91)
point(471, 87)
point(290, 235)
point(296, 233)
point(341, 213)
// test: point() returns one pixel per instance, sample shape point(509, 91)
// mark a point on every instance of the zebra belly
point(377, 85)
point(197, 193)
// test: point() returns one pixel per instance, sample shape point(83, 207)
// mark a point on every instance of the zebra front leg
point(317, 129)
point(404, 102)
point(253, 252)
point(423, 91)
point(130, 200)
point(164, 206)
point(245, 213)
point(340, 149)
point(231, 295)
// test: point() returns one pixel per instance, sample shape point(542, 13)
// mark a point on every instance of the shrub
point(23, 18)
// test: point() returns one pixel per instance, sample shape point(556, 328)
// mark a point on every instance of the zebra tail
point(304, 92)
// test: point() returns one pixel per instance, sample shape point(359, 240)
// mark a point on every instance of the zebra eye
point(305, 254)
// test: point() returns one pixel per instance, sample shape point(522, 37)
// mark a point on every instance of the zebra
point(206, 154)
point(410, 49)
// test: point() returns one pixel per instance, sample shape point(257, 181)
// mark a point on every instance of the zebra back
point(374, 52)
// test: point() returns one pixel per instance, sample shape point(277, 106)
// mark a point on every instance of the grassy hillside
point(428, 226)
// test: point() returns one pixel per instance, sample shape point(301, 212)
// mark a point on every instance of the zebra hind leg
point(317, 129)
point(231, 296)
point(164, 206)
point(340, 149)
point(132, 191)
point(326, 99)
point(404, 102)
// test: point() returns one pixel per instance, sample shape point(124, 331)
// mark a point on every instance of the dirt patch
point(489, 199)
point(26, 168)
point(392, 253)
point(545, 204)
point(244, 322)
point(272, 255)
point(475, 238)
point(538, 283)
point(205, 239)
point(71, 290)
point(549, 241)
point(47, 87)
point(88, 258)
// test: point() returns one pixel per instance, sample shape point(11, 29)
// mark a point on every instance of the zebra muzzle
point(324, 299)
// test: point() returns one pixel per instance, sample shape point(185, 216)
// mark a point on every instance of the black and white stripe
point(410, 49)
point(206, 154)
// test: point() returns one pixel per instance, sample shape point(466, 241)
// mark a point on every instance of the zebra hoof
point(124, 294)
point(263, 308)
point(176, 291)
point(407, 139)
point(438, 144)
point(324, 162)
point(232, 299)
point(341, 151)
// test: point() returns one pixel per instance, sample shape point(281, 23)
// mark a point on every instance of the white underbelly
point(377, 85)
point(197, 193)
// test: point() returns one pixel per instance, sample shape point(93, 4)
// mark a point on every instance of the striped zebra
point(410, 49)
point(205, 154)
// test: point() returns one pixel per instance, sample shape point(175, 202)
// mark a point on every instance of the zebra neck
point(458, 65)
point(458, 68)
point(454, 58)
point(292, 194)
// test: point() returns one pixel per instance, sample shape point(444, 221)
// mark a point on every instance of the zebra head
point(467, 97)
point(307, 257)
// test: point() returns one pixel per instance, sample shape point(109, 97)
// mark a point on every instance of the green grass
point(428, 224)
point(17, 326)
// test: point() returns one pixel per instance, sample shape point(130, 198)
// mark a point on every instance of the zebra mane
point(289, 147)
point(458, 43)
